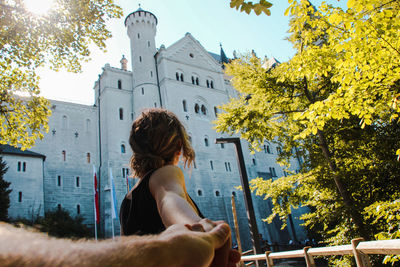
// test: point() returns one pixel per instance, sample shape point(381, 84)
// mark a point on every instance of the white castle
point(184, 78)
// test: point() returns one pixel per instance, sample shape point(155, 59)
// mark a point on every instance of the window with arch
point(119, 84)
point(217, 193)
point(24, 166)
point(19, 196)
point(196, 108)
point(208, 83)
point(193, 80)
point(64, 122)
point(184, 105)
point(78, 209)
point(77, 181)
point(254, 162)
point(278, 150)
point(121, 114)
point(177, 76)
point(88, 157)
point(199, 193)
point(140, 58)
point(138, 35)
point(211, 165)
point(206, 141)
point(203, 110)
point(215, 111)
point(181, 77)
point(59, 180)
point(229, 166)
point(19, 166)
point(142, 91)
point(211, 84)
point(64, 155)
point(268, 150)
point(222, 145)
point(123, 149)
point(197, 81)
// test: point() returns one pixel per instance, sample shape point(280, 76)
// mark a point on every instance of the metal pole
point(235, 220)
point(246, 190)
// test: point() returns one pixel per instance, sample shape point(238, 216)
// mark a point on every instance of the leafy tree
point(58, 39)
point(4, 192)
point(335, 101)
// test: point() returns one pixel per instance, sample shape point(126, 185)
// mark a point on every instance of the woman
point(159, 200)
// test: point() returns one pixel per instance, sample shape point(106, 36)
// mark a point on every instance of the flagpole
point(94, 201)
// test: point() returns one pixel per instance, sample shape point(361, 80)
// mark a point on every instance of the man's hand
point(192, 246)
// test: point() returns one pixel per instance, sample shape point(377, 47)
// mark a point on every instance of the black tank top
point(139, 215)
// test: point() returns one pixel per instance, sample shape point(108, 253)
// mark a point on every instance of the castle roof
point(11, 150)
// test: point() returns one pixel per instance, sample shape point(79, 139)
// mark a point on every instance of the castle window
point(208, 83)
point(19, 196)
point(265, 149)
point(272, 171)
point(212, 84)
point(278, 150)
point(181, 77)
point(121, 114)
point(59, 180)
point(151, 73)
point(206, 141)
point(123, 150)
point(215, 111)
point(254, 162)
point(138, 35)
point(177, 76)
point(77, 182)
point(196, 108)
point(23, 166)
point(87, 157)
point(229, 166)
point(140, 58)
point(268, 150)
point(184, 105)
point(78, 209)
point(217, 193)
point(226, 166)
point(19, 166)
point(119, 84)
point(211, 165)
point(148, 43)
point(199, 193)
point(142, 91)
point(64, 155)
point(192, 80)
point(222, 145)
point(203, 110)
point(197, 80)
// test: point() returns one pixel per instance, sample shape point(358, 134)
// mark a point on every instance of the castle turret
point(141, 26)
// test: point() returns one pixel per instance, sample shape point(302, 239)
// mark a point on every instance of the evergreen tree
point(4, 192)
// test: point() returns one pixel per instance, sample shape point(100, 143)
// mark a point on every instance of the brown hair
point(156, 136)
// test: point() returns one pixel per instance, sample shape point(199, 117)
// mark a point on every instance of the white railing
point(359, 248)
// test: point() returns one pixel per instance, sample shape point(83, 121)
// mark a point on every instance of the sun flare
point(38, 7)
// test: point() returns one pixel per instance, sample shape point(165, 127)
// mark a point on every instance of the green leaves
point(60, 39)
point(262, 6)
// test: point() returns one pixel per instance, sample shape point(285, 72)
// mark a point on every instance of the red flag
point(96, 197)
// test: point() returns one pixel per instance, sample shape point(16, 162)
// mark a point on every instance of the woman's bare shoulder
point(168, 173)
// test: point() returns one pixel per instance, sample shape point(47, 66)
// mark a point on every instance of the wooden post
point(270, 262)
point(309, 259)
point(235, 221)
point(362, 260)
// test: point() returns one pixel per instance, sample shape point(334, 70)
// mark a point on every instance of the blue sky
point(210, 22)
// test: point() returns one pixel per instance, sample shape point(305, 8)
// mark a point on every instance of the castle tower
point(141, 27)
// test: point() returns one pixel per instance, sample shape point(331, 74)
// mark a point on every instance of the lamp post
point(247, 195)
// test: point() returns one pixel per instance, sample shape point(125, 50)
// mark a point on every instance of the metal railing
point(358, 248)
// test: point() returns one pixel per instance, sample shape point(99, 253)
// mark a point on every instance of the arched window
point(192, 80)
point(222, 145)
point(203, 110)
point(268, 150)
point(217, 193)
point(199, 193)
point(142, 91)
point(119, 84)
point(181, 77)
point(229, 166)
point(211, 165)
point(24, 166)
point(138, 35)
point(64, 155)
point(208, 83)
point(197, 80)
point(196, 108)
point(216, 111)
point(64, 122)
point(19, 196)
point(121, 114)
point(206, 141)
point(212, 84)
point(19, 166)
point(77, 182)
point(254, 162)
point(177, 76)
point(59, 180)
point(78, 209)
point(87, 157)
point(140, 58)
point(278, 150)
point(184, 105)
point(123, 150)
